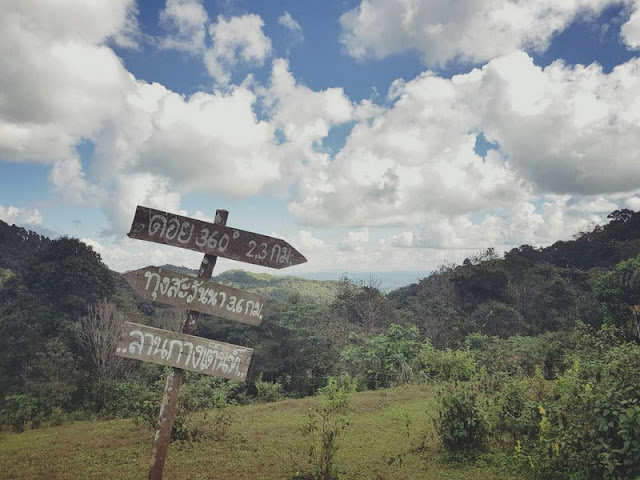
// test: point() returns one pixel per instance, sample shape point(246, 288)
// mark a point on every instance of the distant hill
point(388, 280)
point(17, 244)
point(274, 287)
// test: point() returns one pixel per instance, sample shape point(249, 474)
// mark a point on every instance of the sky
point(372, 135)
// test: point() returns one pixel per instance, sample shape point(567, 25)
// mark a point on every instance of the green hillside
point(275, 287)
point(265, 441)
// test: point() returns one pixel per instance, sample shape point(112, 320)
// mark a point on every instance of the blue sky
point(378, 135)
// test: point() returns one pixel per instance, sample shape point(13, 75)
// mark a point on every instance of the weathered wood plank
point(184, 291)
point(187, 352)
point(192, 234)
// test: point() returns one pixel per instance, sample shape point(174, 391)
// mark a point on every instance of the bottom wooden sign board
point(183, 351)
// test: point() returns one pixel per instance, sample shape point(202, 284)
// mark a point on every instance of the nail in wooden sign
point(184, 232)
point(178, 290)
point(183, 351)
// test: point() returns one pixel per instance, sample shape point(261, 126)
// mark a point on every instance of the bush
point(591, 428)
point(384, 360)
point(462, 422)
point(19, 410)
point(268, 391)
point(521, 355)
point(446, 365)
point(323, 428)
point(197, 394)
point(125, 399)
point(514, 409)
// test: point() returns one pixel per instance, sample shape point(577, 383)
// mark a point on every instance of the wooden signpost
point(183, 351)
point(172, 288)
point(178, 350)
point(214, 239)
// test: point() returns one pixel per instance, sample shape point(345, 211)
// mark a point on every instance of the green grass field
point(264, 442)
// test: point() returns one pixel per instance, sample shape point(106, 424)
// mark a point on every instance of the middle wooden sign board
point(178, 290)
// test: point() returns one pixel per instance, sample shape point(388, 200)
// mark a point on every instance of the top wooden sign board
point(184, 232)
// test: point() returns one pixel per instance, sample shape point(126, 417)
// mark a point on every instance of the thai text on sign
point(183, 351)
point(172, 288)
point(184, 232)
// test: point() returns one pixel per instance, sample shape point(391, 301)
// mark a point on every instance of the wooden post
point(175, 376)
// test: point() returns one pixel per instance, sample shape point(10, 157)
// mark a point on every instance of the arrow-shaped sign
point(184, 232)
point(183, 351)
point(172, 288)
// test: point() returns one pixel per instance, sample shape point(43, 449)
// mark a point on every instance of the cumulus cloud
point(304, 126)
point(630, 31)
point(558, 130)
point(354, 240)
point(238, 40)
point(556, 218)
point(20, 216)
point(305, 241)
point(469, 31)
point(186, 21)
point(219, 142)
point(59, 81)
point(633, 202)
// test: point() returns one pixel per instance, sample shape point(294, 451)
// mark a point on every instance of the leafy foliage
point(592, 427)
point(618, 292)
point(323, 429)
point(462, 422)
point(18, 410)
point(43, 302)
point(17, 245)
point(386, 359)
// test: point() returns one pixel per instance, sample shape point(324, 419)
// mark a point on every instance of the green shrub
point(268, 391)
point(446, 365)
point(198, 394)
point(58, 417)
point(462, 422)
point(18, 410)
point(384, 360)
point(323, 429)
point(521, 355)
point(125, 399)
point(514, 410)
point(591, 427)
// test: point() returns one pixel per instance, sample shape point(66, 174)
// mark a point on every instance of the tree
point(98, 332)
point(69, 275)
point(364, 304)
point(618, 292)
point(44, 301)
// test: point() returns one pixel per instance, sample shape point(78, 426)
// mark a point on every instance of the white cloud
point(220, 143)
point(354, 241)
point(559, 130)
point(186, 20)
point(137, 189)
point(133, 254)
point(633, 203)
point(468, 30)
point(630, 31)
point(20, 216)
point(568, 129)
point(288, 22)
point(600, 204)
point(58, 81)
point(235, 41)
point(522, 223)
point(303, 127)
point(305, 241)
